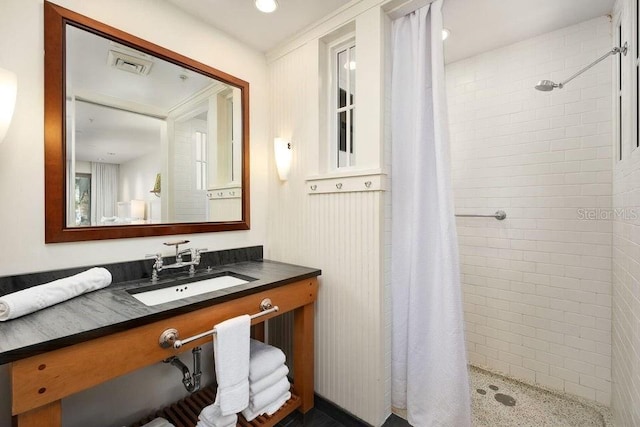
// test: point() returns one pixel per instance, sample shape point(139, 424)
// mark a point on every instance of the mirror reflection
point(147, 141)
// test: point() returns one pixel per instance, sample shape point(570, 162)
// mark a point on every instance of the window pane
point(198, 146)
point(342, 139)
point(203, 156)
point(352, 131)
point(342, 78)
point(198, 176)
point(352, 75)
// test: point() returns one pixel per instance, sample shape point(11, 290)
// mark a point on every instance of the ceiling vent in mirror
point(126, 59)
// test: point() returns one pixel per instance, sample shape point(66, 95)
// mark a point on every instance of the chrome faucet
point(159, 265)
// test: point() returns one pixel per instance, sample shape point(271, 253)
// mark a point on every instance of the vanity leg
point(303, 355)
point(257, 331)
point(49, 415)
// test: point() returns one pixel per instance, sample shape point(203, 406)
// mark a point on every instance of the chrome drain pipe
point(191, 382)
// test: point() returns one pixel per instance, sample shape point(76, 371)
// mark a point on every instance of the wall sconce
point(8, 89)
point(282, 150)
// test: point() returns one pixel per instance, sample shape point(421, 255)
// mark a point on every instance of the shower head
point(547, 85)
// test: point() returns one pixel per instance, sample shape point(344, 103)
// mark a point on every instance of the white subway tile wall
point(625, 399)
point(537, 286)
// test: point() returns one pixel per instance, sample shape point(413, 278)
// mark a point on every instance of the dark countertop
point(113, 309)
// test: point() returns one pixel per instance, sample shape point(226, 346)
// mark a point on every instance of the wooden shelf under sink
point(184, 413)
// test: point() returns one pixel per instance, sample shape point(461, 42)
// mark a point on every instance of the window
point(342, 104)
point(201, 160)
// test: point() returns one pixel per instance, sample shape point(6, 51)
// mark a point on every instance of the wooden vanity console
point(38, 383)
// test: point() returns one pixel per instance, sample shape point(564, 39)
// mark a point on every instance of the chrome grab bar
point(499, 215)
point(169, 338)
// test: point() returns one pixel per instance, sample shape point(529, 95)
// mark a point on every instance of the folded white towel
point(38, 297)
point(249, 414)
point(268, 396)
point(275, 406)
point(231, 354)
point(264, 360)
point(211, 416)
point(158, 422)
point(266, 382)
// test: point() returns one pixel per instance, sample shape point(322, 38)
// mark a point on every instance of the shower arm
point(613, 51)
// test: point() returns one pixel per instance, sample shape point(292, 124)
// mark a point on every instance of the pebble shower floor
point(499, 401)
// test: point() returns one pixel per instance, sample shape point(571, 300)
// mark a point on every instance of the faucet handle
point(156, 256)
point(177, 244)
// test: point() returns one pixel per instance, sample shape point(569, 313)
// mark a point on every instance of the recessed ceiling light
point(266, 6)
point(445, 34)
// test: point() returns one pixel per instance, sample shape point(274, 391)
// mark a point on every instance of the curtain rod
point(406, 8)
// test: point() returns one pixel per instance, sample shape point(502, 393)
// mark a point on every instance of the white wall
point(537, 286)
point(22, 247)
point(340, 232)
point(137, 178)
point(625, 401)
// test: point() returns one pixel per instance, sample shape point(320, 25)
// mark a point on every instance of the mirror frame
point(56, 229)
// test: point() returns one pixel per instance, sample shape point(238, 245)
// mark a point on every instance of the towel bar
point(169, 338)
point(499, 215)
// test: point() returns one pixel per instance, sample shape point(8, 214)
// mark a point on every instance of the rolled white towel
point(268, 396)
point(211, 416)
point(158, 422)
point(249, 414)
point(266, 382)
point(264, 359)
point(38, 297)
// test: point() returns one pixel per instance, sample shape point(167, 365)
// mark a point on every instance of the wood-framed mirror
point(139, 140)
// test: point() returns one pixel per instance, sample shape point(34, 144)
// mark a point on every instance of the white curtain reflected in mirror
point(104, 192)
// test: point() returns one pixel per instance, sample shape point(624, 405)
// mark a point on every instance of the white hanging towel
point(38, 297)
point(158, 422)
point(211, 416)
point(231, 354)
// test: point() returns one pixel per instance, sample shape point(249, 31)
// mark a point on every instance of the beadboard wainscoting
point(339, 230)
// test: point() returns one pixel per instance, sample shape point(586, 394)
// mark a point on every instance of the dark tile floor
point(317, 418)
point(314, 418)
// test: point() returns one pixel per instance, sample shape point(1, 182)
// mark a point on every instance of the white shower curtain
point(429, 364)
point(104, 191)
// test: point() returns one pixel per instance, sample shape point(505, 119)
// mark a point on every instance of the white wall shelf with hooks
point(347, 182)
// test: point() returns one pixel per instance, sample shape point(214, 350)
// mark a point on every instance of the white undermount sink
point(160, 294)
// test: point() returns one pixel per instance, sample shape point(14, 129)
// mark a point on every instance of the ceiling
point(476, 25)
point(480, 25)
point(262, 31)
